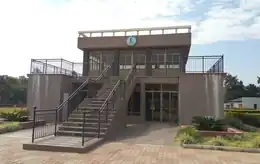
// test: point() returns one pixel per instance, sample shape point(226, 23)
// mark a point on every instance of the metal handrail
point(58, 108)
point(114, 88)
point(109, 96)
point(130, 72)
point(80, 87)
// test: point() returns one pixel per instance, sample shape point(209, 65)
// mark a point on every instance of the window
point(141, 61)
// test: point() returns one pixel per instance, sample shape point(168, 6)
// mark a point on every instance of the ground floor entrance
point(161, 101)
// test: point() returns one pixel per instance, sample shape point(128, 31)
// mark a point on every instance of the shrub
point(209, 123)
point(187, 139)
point(237, 123)
point(256, 143)
point(218, 141)
point(246, 118)
point(242, 110)
point(187, 130)
point(16, 115)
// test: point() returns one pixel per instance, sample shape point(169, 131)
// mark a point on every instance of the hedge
point(242, 110)
point(241, 113)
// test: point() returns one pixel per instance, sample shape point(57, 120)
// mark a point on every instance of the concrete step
point(90, 107)
point(79, 129)
point(87, 124)
point(89, 119)
point(90, 112)
point(78, 133)
point(95, 115)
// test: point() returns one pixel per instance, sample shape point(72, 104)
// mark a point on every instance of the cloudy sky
point(48, 28)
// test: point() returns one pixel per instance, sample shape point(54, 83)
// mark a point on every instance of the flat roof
point(136, 31)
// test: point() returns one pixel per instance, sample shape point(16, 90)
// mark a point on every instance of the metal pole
point(203, 64)
point(98, 123)
point(107, 111)
point(33, 129)
point(56, 118)
point(60, 66)
point(83, 128)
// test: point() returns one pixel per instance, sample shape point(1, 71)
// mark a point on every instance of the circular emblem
point(131, 40)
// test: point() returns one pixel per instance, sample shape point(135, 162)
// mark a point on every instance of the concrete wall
point(142, 41)
point(46, 91)
point(200, 95)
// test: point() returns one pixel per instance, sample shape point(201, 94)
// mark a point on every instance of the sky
point(49, 28)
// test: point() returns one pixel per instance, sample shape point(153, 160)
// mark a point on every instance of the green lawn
point(8, 124)
point(10, 109)
point(188, 135)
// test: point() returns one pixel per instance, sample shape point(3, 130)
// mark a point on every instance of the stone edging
point(222, 148)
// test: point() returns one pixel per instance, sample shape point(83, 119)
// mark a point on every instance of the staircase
point(92, 119)
point(74, 125)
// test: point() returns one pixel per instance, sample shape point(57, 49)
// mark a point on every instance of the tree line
point(235, 88)
point(13, 90)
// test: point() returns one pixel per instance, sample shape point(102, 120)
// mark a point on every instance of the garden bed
point(229, 132)
point(208, 133)
point(10, 126)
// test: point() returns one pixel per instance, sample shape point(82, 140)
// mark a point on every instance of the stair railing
point(45, 117)
point(129, 78)
point(110, 101)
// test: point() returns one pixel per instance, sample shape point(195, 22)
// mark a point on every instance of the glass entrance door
point(153, 106)
point(161, 106)
point(166, 106)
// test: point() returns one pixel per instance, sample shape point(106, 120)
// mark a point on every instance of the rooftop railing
point(194, 64)
point(60, 66)
point(136, 31)
point(205, 64)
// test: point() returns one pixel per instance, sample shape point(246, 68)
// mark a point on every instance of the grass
point(188, 135)
point(10, 109)
point(7, 124)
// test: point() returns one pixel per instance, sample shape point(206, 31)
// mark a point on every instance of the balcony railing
point(194, 64)
point(136, 31)
point(61, 66)
point(205, 64)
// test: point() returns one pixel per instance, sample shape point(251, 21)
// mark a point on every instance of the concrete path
point(125, 152)
point(149, 133)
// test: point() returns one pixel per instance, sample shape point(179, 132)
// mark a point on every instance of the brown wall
point(168, 40)
point(46, 91)
point(200, 95)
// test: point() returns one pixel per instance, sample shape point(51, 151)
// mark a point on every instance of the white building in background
point(244, 102)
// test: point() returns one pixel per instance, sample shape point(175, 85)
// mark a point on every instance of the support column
point(85, 70)
point(101, 62)
point(115, 65)
point(142, 102)
point(148, 64)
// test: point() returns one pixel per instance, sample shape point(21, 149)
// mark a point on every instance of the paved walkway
point(149, 133)
point(11, 152)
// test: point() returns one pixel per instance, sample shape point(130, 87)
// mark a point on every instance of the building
point(127, 76)
point(244, 102)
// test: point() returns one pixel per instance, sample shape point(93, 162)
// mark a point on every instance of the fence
point(205, 64)
point(194, 64)
point(60, 66)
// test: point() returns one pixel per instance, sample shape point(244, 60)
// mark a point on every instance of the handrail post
point(98, 123)
point(56, 120)
point(33, 128)
point(107, 111)
point(83, 128)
